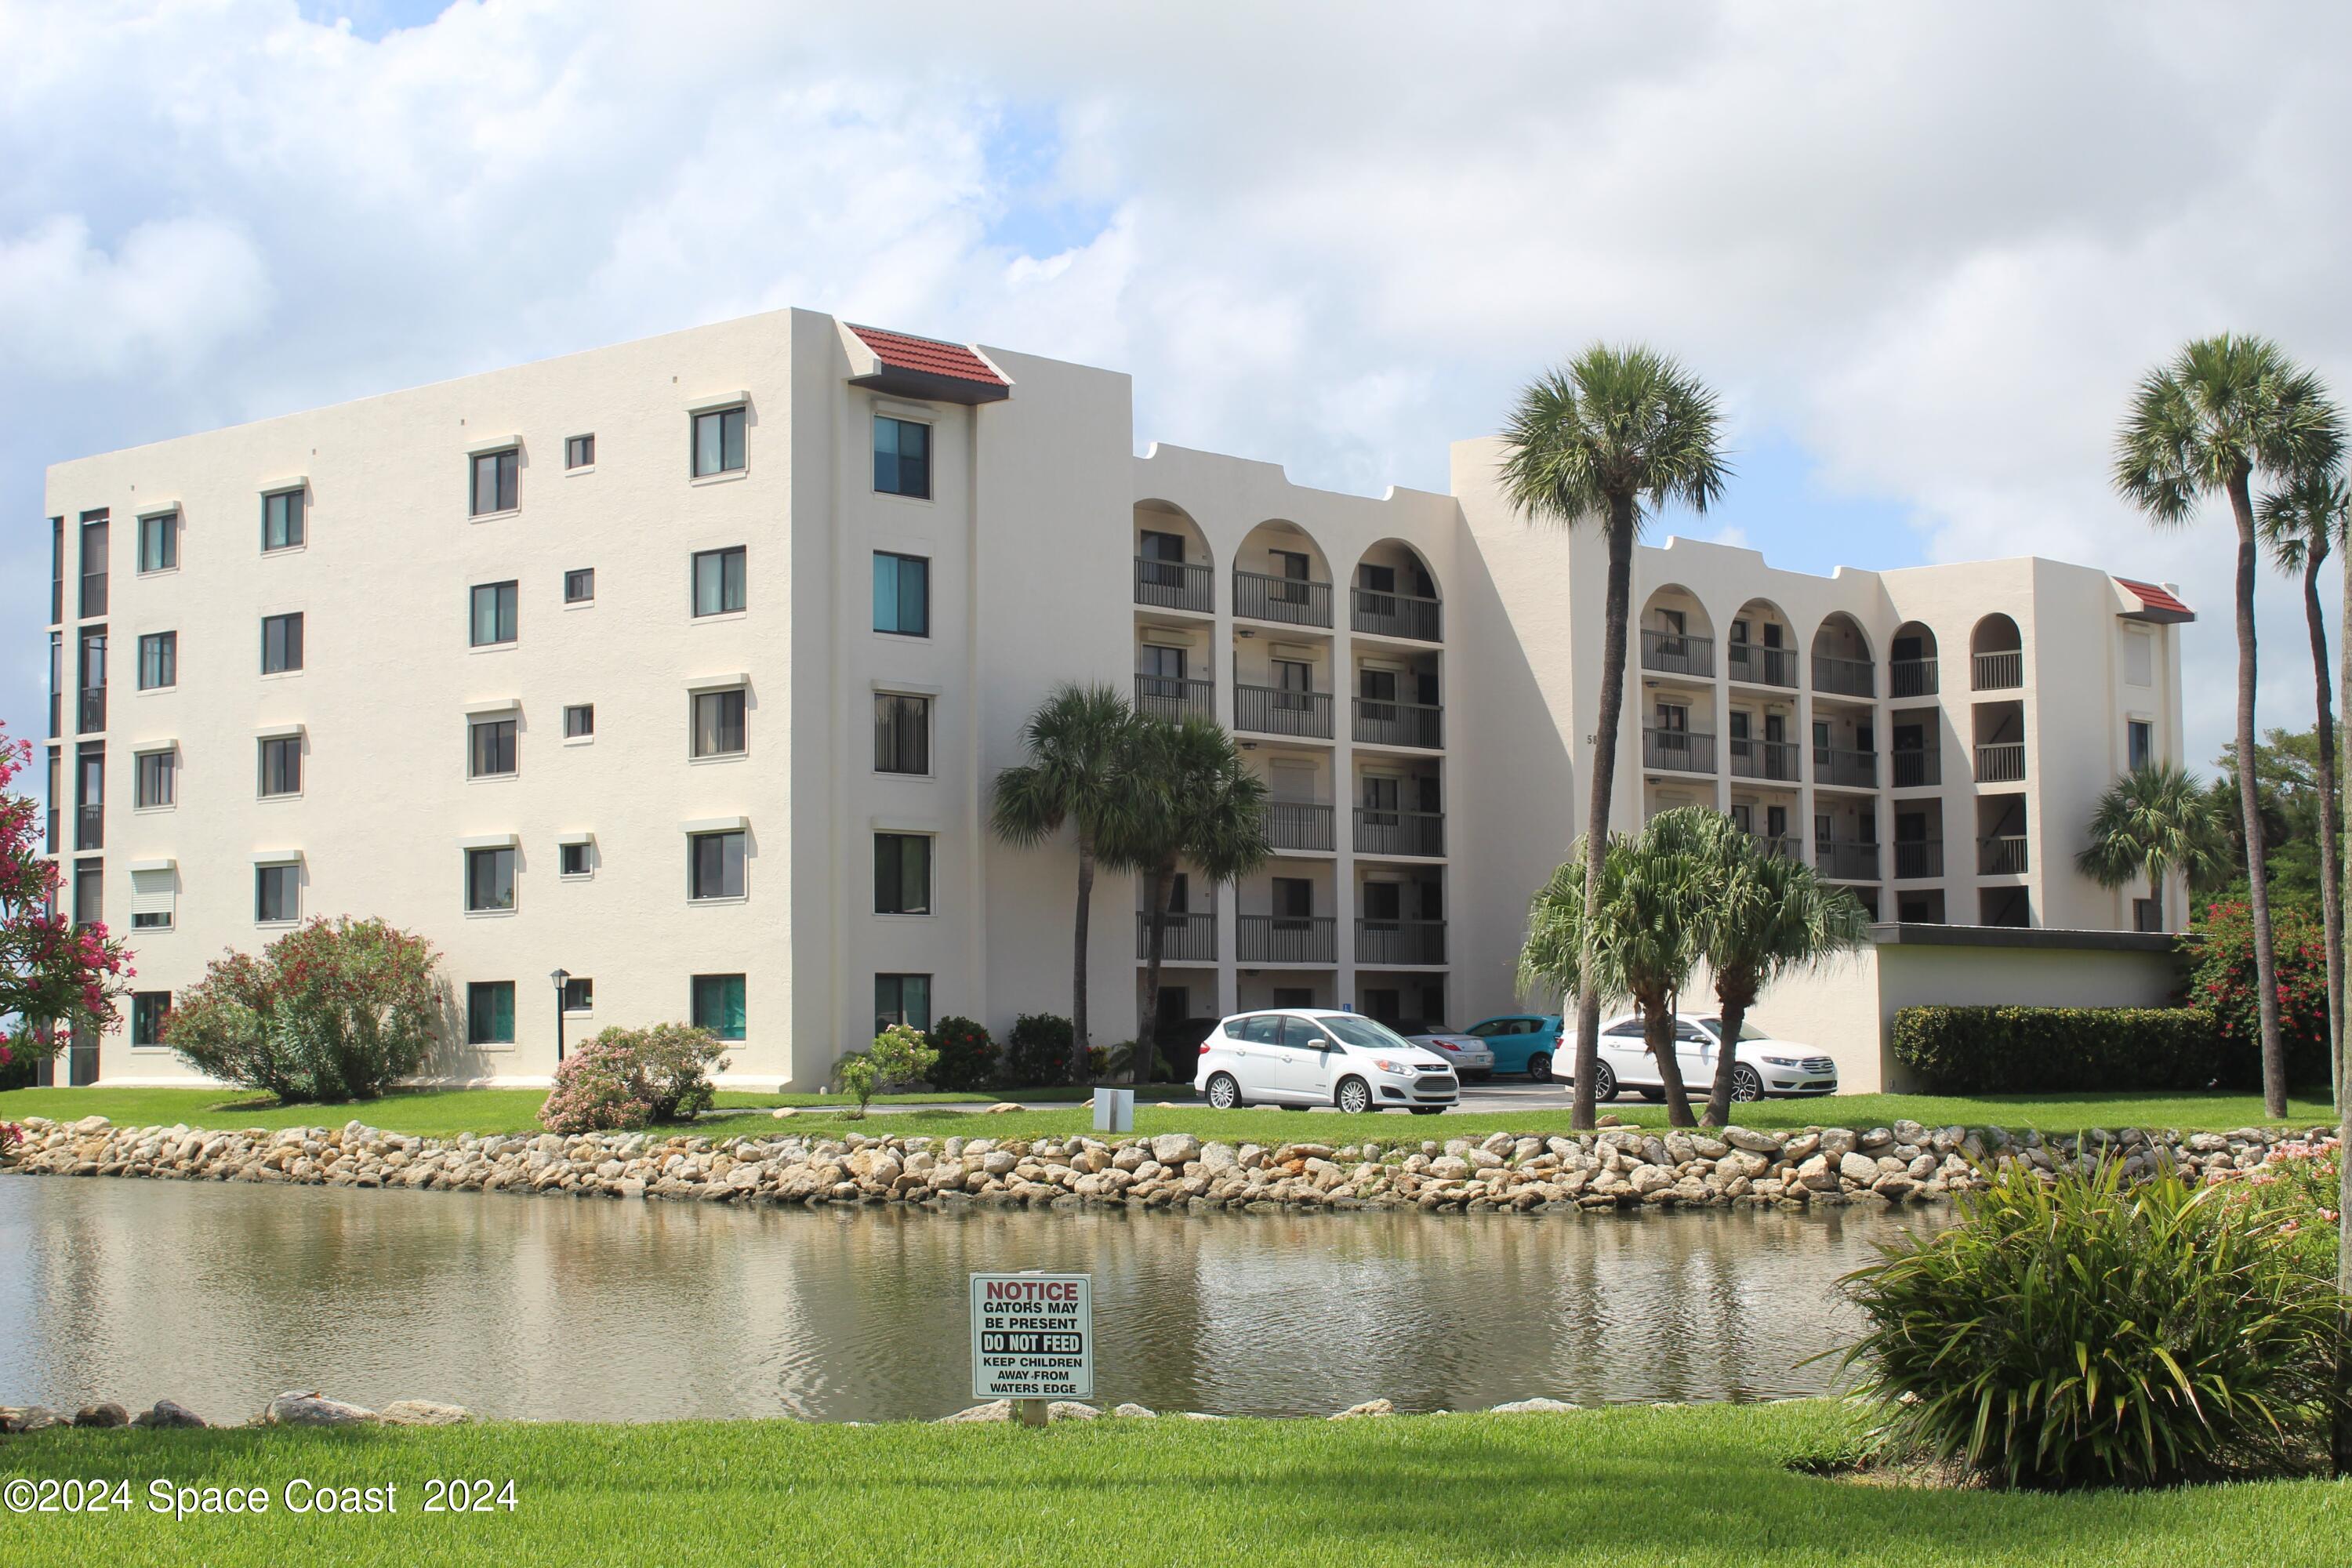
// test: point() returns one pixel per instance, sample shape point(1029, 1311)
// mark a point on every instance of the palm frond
point(2151, 822)
point(1614, 423)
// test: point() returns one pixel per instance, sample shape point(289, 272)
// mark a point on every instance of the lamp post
point(559, 977)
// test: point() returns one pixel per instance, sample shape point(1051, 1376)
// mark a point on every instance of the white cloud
point(171, 293)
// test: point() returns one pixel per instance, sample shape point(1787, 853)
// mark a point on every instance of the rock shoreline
point(1616, 1168)
point(295, 1409)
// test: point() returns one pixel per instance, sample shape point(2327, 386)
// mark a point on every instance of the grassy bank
point(1697, 1485)
point(445, 1112)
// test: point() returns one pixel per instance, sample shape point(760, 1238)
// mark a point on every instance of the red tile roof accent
point(927, 355)
point(2155, 598)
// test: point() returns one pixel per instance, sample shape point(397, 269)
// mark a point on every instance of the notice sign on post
point(1033, 1336)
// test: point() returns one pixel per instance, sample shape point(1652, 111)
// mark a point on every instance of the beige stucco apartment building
point(683, 666)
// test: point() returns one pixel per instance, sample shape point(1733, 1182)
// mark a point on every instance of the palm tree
point(1077, 742)
point(2152, 822)
point(1639, 942)
point(1611, 436)
point(1194, 802)
point(1763, 916)
point(2221, 412)
point(2302, 523)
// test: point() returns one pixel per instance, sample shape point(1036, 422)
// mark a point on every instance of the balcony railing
point(1911, 678)
point(1295, 825)
point(1174, 697)
point(1397, 615)
point(1261, 598)
point(2002, 855)
point(1764, 666)
point(2000, 671)
point(1755, 759)
point(1917, 857)
point(1846, 859)
point(1175, 585)
point(1289, 938)
point(1400, 941)
point(1845, 768)
point(1916, 767)
point(1678, 751)
point(90, 827)
point(1400, 832)
point(1780, 847)
point(1844, 676)
point(1677, 653)
point(1183, 939)
point(93, 710)
point(2000, 761)
point(1399, 723)
point(1271, 711)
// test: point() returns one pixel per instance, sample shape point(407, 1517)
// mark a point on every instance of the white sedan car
point(1300, 1056)
point(1762, 1066)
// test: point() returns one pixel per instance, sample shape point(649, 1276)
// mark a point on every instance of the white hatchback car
point(1298, 1057)
point(1763, 1066)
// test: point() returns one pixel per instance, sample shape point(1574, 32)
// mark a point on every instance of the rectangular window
point(157, 779)
point(281, 520)
point(902, 999)
point(579, 452)
point(495, 476)
point(714, 865)
point(57, 570)
point(492, 620)
point(2139, 742)
point(718, 441)
point(278, 893)
point(902, 595)
point(580, 585)
point(152, 899)
point(93, 679)
point(89, 892)
point(580, 722)
point(489, 879)
point(159, 542)
point(719, 1004)
point(719, 581)
point(159, 660)
point(2139, 657)
point(93, 563)
point(148, 1010)
point(282, 765)
point(902, 874)
point(902, 734)
point(489, 1013)
point(579, 994)
point(902, 456)
point(718, 723)
point(281, 644)
point(489, 747)
point(575, 860)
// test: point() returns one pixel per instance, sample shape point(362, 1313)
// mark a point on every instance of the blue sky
point(1923, 252)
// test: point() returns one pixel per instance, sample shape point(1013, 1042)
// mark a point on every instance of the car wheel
point(1424, 1110)
point(1654, 1096)
point(1604, 1081)
point(1539, 1068)
point(1355, 1096)
point(1224, 1094)
point(1746, 1083)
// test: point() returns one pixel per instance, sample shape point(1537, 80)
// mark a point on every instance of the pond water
point(220, 1295)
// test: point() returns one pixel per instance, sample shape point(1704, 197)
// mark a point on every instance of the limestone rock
point(314, 1409)
point(1368, 1408)
point(425, 1413)
point(1070, 1410)
point(166, 1413)
point(105, 1413)
point(994, 1410)
point(1533, 1408)
point(1134, 1410)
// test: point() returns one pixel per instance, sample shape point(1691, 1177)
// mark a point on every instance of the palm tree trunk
point(1616, 611)
point(1078, 1037)
point(2342, 1444)
point(2258, 881)
point(1147, 1027)
point(2331, 854)
point(1658, 1033)
point(1733, 1001)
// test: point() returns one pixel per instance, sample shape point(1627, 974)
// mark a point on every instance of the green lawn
point(1698, 1485)
point(443, 1112)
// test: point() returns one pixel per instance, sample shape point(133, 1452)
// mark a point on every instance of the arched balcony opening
point(1281, 574)
point(1762, 649)
point(1841, 662)
point(1675, 636)
point(1395, 595)
point(1911, 661)
point(1996, 655)
point(1173, 568)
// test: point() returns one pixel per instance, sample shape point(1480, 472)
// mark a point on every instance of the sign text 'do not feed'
point(1033, 1336)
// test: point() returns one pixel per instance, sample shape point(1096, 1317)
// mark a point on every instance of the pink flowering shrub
point(627, 1079)
point(2297, 1184)
point(334, 1010)
point(52, 973)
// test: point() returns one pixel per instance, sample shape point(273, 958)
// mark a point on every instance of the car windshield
point(1748, 1031)
point(1365, 1033)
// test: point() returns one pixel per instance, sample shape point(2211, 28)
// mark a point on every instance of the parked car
point(1472, 1060)
point(1298, 1057)
point(1523, 1042)
point(1762, 1066)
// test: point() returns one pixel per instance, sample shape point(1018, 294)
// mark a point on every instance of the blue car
point(1522, 1042)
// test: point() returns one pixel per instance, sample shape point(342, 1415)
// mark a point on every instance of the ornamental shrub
point(2221, 980)
point(2076, 1331)
point(966, 1054)
point(899, 1054)
point(334, 1010)
point(2028, 1050)
point(631, 1078)
point(1037, 1051)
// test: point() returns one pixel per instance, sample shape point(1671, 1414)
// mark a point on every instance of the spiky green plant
point(2152, 822)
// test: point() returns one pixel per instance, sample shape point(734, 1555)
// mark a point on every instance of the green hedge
point(2028, 1050)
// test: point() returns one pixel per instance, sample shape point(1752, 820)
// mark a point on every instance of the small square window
point(281, 520)
point(580, 722)
point(493, 613)
point(575, 860)
point(489, 879)
point(282, 766)
point(718, 442)
point(278, 894)
point(158, 774)
point(281, 644)
point(496, 475)
point(902, 456)
point(579, 994)
point(489, 1013)
point(718, 723)
point(490, 748)
point(159, 542)
point(579, 452)
point(719, 584)
point(159, 660)
point(902, 874)
point(148, 1009)
point(902, 999)
point(580, 585)
point(902, 734)
point(153, 898)
point(902, 595)
point(714, 866)
point(719, 1004)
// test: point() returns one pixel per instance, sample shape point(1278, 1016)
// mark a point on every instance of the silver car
point(1472, 1058)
